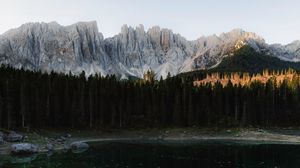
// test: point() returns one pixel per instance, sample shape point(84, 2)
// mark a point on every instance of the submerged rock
point(13, 137)
point(68, 136)
point(49, 147)
point(66, 148)
point(23, 149)
point(79, 147)
point(1, 138)
point(62, 138)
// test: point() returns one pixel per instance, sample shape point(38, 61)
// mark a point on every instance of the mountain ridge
point(81, 47)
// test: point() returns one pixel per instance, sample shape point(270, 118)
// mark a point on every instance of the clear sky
point(278, 21)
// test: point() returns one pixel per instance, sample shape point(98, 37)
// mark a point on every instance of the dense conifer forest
point(38, 100)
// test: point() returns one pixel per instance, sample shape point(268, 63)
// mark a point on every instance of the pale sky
point(278, 21)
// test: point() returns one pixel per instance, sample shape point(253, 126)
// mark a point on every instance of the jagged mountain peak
point(78, 47)
point(241, 35)
point(52, 47)
point(234, 32)
point(92, 23)
point(210, 50)
point(234, 36)
point(51, 27)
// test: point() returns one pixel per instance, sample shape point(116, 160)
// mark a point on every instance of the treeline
point(37, 100)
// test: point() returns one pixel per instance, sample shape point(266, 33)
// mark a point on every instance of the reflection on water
point(22, 160)
point(166, 155)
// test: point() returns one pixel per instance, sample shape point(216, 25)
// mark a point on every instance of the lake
point(155, 154)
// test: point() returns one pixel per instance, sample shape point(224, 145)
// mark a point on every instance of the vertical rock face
point(136, 51)
point(80, 47)
point(51, 47)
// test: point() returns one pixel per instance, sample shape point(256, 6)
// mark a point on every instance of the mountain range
point(81, 47)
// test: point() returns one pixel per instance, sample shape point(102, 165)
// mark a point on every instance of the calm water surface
point(145, 154)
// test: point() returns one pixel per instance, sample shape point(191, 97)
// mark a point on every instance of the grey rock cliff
point(80, 47)
point(51, 47)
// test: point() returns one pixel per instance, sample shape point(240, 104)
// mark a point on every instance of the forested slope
point(36, 100)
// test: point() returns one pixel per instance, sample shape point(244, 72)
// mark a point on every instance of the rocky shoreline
point(20, 144)
point(12, 143)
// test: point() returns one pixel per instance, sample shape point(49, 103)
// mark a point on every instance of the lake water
point(147, 154)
